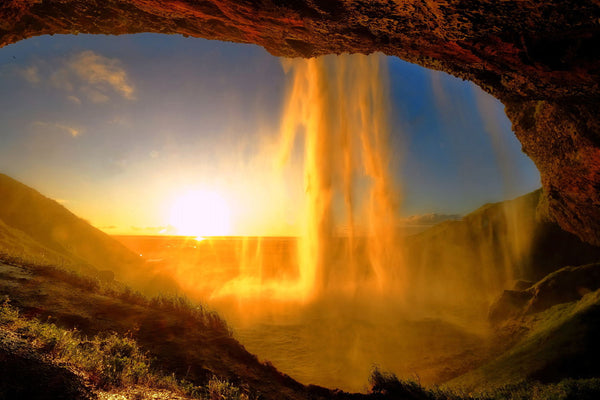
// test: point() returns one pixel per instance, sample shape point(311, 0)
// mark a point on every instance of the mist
point(354, 290)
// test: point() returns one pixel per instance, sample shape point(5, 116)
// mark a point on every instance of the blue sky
point(116, 127)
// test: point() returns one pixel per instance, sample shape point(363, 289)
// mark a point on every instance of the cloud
point(101, 74)
point(61, 79)
point(31, 74)
point(84, 76)
point(74, 132)
point(119, 120)
point(74, 99)
point(94, 95)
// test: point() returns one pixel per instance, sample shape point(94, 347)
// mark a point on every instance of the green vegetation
point(15, 244)
point(109, 361)
point(59, 273)
point(181, 341)
point(569, 389)
point(388, 386)
point(42, 230)
point(177, 305)
point(221, 390)
point(112, 360)
point(560, 341)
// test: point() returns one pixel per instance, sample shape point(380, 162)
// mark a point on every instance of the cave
point(539, 59)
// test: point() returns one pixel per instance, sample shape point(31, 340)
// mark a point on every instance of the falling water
point(336, 113)
point(340, 106)
point(336, 110)
point(326, 307)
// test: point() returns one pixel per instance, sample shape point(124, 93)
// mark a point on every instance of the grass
point(388, 386)
point(569, 389)
point(177, 305)
point(107, 361)
point(112, 361)
point(564, 335)
point(183, 339)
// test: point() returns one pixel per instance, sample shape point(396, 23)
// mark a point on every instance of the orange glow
point(200, 213)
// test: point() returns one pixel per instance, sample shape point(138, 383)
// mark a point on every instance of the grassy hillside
point(17, 244)
point(72, 337)
point(182, 338)
point(556, 343)
point(39, 230)
point(67, 335)
point(51, 226)
point(467, 263)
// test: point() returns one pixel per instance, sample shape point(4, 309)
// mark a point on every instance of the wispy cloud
point(61, 79)
point(74, 99)
point(101, 74)
point(31, 74)
point(94, 95)
point(74, 132)
point(119, 120)
point(84, 76)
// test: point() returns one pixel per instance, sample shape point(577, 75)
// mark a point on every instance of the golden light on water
point(201, 213)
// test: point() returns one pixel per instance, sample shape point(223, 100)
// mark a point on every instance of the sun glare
point(200, 213)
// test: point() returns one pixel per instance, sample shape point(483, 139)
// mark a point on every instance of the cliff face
point(540, 58)
point(563, 139)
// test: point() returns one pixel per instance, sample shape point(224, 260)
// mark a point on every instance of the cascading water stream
point(336, 108)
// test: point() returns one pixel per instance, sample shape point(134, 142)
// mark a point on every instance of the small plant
point(183, 307)
point(223, 390)
point(387, 385)
point(118, 361)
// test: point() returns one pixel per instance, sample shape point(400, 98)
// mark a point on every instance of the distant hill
point(468, 262)
point(460, 263)
point(35, 227)
point(478, 255)
point(17, 244)
point(38, 236)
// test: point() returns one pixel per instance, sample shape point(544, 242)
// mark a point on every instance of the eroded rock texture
point(541, 58)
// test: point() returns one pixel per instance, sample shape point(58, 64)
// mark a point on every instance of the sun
point(200, 213)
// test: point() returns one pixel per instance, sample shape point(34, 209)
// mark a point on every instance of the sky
point(119, 129)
